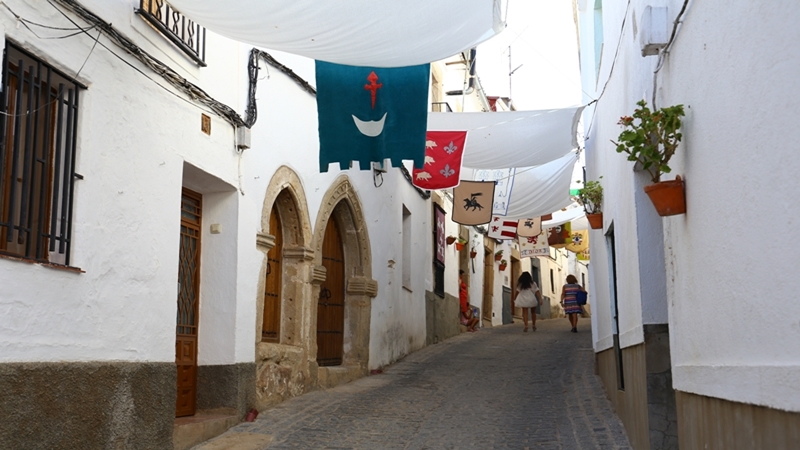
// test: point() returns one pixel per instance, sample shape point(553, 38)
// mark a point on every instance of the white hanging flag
point(504, 181)
point(534, 246)
point(501, 228)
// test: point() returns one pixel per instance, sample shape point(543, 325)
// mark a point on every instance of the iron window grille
point(38, 130)
point(180, 30)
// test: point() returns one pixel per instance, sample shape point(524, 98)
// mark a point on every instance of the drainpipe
point(471, 84)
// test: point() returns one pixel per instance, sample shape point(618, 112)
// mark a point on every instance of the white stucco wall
point(126, 210)
point(138, 145)
point(730, 314)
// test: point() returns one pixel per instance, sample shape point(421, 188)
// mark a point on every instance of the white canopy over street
point(499, 140)
point(377, 33)
point(539, 144)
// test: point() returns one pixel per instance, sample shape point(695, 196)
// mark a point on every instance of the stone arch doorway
point(342, 207)
point(282, 342)
point(330, 306)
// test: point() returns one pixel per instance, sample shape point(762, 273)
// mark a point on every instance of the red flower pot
point(667, 196)
point(595, 221)
point(503, 267)
point(459, 246)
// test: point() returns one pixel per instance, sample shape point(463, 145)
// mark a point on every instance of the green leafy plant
point(591, 196)
point(651, 137)
point(504, 263)
point(461, 240)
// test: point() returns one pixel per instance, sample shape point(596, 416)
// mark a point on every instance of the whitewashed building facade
point(175, 210)
point(690, 318)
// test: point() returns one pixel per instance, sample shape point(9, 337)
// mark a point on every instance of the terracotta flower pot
point(498, 257)
point(459, 246)
point(503, 267)
point(595, 221)
point(450, 239)
point(668, 197)
point(473, 254)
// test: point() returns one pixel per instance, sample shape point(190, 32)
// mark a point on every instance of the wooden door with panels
point(488, 286)
point(271, 324)
point(188, 303)
point(330, 306)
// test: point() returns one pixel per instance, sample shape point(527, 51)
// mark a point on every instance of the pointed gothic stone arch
point(282, 368)
point(342, 203)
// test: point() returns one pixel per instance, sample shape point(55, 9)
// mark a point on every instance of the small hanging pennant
point(443, 153)
point(560, 235)
point(472, 202)
point(529, 227)
point(500, 228)
point(534, 245)
point(579, 241)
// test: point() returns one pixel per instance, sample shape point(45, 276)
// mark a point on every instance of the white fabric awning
point(498, 140)
point(541, 190)
point(378, 33)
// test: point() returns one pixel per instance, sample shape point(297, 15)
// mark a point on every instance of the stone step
point(190, 431)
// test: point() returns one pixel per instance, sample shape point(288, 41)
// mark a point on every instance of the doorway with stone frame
point(341, 217)
point(283, 312)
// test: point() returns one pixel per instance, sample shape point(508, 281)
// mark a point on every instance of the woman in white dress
point(528, 296)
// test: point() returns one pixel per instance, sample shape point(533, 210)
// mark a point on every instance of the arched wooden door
point(330, 309)
point(271, 325)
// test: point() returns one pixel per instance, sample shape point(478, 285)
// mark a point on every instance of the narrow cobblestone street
point(499, 388)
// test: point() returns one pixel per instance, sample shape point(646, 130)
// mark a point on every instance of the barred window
point(38, 124)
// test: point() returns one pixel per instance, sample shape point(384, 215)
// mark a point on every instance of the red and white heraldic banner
point(444, 151)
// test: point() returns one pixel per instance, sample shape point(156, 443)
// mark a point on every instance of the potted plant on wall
point(460, 244)
point(503, 265)
point(498, 255)
point(473, 253)
point(650, 138)
point(450, 239)
point(591, 197)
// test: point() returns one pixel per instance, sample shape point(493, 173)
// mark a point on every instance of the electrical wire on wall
point(611, 70)
point(251, 114)
point(194, 92)
point(662, 55)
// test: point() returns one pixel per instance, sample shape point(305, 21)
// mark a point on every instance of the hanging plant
point(473, 253)
point(503, 265)
point(498, 255)
point(450, 240)
point(591, 197)
point(650, 138)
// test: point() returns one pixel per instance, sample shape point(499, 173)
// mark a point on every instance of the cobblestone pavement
point(498, 388)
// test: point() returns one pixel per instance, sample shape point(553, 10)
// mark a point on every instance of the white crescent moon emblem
point(370, 128)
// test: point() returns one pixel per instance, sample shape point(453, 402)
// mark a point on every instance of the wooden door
point(488, 285)
point(330, 309)
point(188, 304)
point(271, 325)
